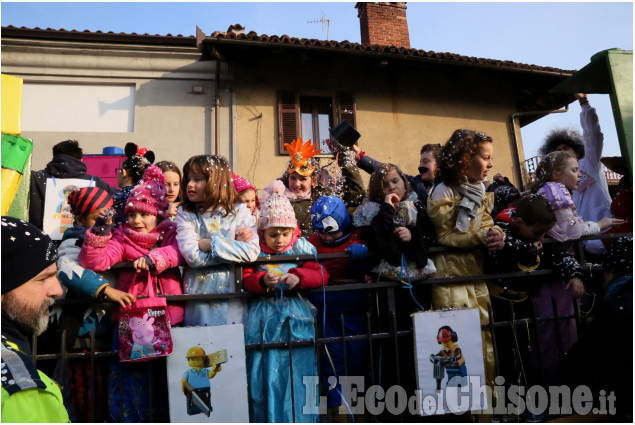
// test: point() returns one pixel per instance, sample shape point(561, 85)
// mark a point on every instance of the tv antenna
point(324, 21)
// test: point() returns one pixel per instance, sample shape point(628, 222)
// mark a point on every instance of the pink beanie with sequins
point(149, 196)
point(241, 183)
point(277, 211)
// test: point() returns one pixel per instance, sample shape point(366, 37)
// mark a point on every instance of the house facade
point(396, 97)
point(106, 89)
point(243, 95)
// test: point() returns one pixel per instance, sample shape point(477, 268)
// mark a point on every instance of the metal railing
point(96, 354)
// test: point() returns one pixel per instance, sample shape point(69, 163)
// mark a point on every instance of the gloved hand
point(358, 251)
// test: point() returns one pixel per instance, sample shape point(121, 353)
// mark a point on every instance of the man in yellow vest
point(29, 287)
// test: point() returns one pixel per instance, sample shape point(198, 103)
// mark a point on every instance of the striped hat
point(88, 199)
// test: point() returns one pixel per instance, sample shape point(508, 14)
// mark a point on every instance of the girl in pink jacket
point(146, 239)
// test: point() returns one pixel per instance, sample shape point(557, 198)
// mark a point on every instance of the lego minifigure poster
point(207, 378)
point(57, 211)
point(449, 361)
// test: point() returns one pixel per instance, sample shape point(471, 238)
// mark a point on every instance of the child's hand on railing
point(141, 264)
point(123, 298)
point(494, 240)
point(205, 245)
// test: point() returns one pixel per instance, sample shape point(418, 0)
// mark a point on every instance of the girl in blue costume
point(287, 312)
point(214, 232)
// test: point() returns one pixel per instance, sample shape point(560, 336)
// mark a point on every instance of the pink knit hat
point(241, 183)
point(277, 211)
point(149, 196)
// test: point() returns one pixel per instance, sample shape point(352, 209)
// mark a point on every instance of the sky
point(562, 35)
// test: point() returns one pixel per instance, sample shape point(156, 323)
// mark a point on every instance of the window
point(315, 119)
point(310, 117)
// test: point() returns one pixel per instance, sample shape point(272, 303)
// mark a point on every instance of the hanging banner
point(57, 211)
point(449, 361)
point(207, 377)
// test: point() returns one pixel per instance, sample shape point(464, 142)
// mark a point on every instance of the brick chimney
point(383, 23)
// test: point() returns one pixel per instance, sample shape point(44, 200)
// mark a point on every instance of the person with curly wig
point(459, 207)
point(591, 197)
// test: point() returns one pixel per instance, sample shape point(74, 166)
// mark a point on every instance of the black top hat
point(344, 135)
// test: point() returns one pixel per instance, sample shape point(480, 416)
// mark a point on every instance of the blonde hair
point(555, 161)
point(219, 190)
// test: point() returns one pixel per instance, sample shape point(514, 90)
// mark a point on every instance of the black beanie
point(26, 252)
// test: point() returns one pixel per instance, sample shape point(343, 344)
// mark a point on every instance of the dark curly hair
point(563, 136)
point(454, 160)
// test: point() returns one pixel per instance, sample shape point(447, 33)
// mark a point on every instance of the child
point(395, 224)
point(557, 176)
point(172, 185)
point(247, 194)
point(280, 235)
point(340, 309)
point(78, 321)
point(421, 183)
point(459, 207)
point(215, 231)
point(132, 168)
point(147, 240)
point(395, 227)
point(609, 332)
point(86, 204)
point(302, 185)
point(505, 194)
point(525, 226)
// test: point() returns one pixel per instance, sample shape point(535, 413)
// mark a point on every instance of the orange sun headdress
point(300, 154)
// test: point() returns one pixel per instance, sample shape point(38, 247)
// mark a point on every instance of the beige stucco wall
point(398, 110)
point(168, 118)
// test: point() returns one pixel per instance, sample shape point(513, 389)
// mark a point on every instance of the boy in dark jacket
point(66, 164)
point(525, 226)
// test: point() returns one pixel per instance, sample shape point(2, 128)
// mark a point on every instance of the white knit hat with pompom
point(276, 210)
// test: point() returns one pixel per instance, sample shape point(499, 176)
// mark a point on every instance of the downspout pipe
point(516, 153)
point(217, 110)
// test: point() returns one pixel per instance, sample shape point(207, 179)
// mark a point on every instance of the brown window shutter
point(346, 110)
point(288, 119)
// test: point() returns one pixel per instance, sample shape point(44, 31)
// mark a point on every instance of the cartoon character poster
point(207, 377)
point(449, 360)
point(57, 211)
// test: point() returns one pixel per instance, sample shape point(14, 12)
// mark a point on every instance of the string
point(404, 270)
point(328, 354)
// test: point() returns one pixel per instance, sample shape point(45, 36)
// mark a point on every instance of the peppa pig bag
point(144, 326)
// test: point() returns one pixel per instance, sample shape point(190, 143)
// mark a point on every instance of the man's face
point(29, 303)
